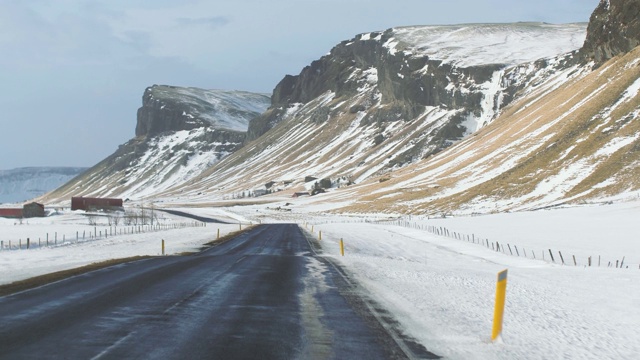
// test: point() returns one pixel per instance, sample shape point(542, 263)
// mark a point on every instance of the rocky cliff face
point(172, 108)
point(614, 29)
point(400, 74)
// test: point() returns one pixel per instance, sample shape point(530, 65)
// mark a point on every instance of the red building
point(11, 213)
point(28, 211)
point(87, 203)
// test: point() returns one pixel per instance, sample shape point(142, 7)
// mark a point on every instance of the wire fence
point(54, 239)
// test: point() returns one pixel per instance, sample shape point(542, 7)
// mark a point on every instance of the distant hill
point(22, 184)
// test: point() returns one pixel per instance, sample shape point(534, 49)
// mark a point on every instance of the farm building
point(88, 203)
point(260, 192)
point(33, 210)
point(28, 211)
point(11, 213)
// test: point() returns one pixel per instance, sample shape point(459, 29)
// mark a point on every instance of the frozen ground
point(65, 252)
point(441, 289)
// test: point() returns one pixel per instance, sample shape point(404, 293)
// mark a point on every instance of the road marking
point(113, 346)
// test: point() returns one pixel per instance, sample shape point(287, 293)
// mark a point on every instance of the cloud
point(211, 22)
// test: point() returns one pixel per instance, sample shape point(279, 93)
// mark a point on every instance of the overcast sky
point(72, 72)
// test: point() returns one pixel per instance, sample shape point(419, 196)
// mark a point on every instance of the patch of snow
point(480, 44)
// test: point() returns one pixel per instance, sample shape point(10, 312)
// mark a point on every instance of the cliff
point(614, 29)
point(467, 73)
point(173, 108)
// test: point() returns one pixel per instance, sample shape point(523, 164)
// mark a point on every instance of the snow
point(440, 288)
point(224, 109)
point(65, 252)
point(480, 44)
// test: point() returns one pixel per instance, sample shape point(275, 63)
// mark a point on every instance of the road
point(266, 294)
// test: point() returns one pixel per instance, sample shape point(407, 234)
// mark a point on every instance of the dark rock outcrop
point(406, 83)
point(159, 114)
point(387, 78)
point(172, 108)
point(614, 28)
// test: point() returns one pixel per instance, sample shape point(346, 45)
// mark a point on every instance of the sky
point(72, 72)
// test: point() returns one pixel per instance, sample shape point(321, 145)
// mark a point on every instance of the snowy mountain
point(180, 132)
point(425, 119)
point(471, 118)
point(384, 100)
point(19, 185)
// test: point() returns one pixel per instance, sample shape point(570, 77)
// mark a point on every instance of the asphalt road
point(264, 295)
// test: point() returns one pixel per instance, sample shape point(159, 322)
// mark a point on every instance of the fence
point(97, 233)
point(514, 251)
point(505, 248)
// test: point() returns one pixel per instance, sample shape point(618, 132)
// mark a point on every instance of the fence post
point(218, 238)
point(498, 312)
point(561, 258)
point(550, 253)
point(574, 261)
point(28, 243)
point(341, 247)
point(320, 235)
point(163, 247)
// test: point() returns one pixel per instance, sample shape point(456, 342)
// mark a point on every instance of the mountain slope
point(387, 99)
point(180, 133)
point(580, 142)
point(22, 184)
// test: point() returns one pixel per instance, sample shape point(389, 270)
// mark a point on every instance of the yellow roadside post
point(218, 238)
point(312, 228)
point(341, 247)
point(163, 247)
point(320, 235)
point(498, 312)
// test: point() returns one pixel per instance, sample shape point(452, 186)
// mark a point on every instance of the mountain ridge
point(383, 124)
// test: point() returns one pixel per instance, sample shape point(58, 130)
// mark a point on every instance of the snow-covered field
point(65, 252)
point(441, 289)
